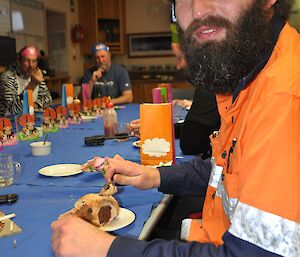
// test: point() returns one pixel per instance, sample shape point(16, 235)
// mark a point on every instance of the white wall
point(74, 59)
point(146, 16)
point(4, 17)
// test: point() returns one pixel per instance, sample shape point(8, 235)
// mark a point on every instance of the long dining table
point(41, 199)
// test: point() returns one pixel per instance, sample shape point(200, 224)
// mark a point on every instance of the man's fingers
point(124, 180)
point(113, 168)
point(116, 166)
point(56, 224)
point(118, 157)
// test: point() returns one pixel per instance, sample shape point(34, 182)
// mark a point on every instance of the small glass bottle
point(110, 119)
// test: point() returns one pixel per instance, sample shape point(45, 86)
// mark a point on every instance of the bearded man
point(107, 78)
point(246, 53)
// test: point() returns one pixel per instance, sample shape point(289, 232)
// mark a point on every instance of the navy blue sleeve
point(232, 247)
point(124, 82)
point(186, 179)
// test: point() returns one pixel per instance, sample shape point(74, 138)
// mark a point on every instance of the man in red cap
point(24, 75)
point(106, 78)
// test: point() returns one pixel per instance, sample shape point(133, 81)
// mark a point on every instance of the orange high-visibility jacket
point(257, 197)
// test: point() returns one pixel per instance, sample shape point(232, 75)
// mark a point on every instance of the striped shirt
point(10, 100)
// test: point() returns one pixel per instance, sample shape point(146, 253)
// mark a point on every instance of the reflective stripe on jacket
point(258, 148)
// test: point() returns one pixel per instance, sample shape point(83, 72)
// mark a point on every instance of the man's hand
point(97, 74)
point(74, 237)
point(130, 173)
point(183, 103)
point(36, 79)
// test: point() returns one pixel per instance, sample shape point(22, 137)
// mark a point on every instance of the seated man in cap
point(24, 75)
point(106, 78)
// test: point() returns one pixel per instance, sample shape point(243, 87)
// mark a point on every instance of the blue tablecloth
point(38, 206)
point(68, 147)
point(42, 199)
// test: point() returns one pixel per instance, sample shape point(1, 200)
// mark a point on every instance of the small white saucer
point(61, 170)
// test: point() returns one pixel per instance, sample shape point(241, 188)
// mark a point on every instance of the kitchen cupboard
point(103, 21)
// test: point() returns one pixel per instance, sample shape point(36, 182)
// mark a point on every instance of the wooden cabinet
point(103, 21)
point(88, 20)
point(109, 9)
point(142, 90)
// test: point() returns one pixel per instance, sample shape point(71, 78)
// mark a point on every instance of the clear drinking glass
point(122, 131)
point(9, 170)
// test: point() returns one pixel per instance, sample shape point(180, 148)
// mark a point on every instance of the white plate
point(124, 218)
point(61, 170)
point(137, 143)
point(88, 118)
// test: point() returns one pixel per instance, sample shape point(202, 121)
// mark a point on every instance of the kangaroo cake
point(97, 209)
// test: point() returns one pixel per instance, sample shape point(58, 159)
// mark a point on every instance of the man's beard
point(218, 66)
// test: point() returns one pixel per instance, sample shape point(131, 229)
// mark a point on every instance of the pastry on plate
point(97, 209)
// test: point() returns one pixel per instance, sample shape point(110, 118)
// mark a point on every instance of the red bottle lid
point(109, 103)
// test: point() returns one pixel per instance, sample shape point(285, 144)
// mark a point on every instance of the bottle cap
point(109, 103)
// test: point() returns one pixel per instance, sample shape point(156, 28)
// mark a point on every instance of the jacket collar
point(276, 25)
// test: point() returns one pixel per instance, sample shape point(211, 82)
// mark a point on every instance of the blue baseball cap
point(99, 47)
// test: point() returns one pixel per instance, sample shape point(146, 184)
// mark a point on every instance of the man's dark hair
point(283, 8)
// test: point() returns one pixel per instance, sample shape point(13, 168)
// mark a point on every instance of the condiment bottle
point(110, 119)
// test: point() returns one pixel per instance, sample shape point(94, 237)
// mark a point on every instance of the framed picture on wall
point(149, 45)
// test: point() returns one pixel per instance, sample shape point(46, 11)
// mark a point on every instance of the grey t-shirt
point(113, 83)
